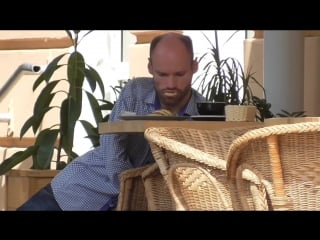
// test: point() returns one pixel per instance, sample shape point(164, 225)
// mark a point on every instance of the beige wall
point(138, 58)
point(19, 98)
point(16, 48)
point(15, 40)
point(253, 61)
point(253, 55)
point(312, 75)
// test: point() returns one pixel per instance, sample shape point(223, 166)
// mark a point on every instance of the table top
point(139, 126)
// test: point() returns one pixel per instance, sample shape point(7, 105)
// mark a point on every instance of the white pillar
point(284, 70)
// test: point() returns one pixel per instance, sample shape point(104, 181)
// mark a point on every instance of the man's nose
point(171, 81)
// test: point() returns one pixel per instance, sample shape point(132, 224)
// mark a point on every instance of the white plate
point(208, 117)
point(150, 117)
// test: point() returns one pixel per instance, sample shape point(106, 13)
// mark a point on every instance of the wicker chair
point(206, 149)
point(132, 192)
point(276, 168)
point(156, 190)
point(143, 189)
point(194, 188)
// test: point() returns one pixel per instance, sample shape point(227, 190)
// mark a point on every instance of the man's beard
point(172, 98)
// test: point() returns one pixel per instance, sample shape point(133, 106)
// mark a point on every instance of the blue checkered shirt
point(91, 182)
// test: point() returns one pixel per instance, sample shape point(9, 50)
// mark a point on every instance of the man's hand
point(161, 112)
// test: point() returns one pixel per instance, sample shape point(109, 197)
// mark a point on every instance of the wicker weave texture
point(244, 113)
point(171, 145)
point(132, 191)
point(156, 190)
point(144, 189)
point(205, 149)
point(194, 188)
point(293, 183)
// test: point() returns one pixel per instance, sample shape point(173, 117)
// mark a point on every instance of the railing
point(25, 68)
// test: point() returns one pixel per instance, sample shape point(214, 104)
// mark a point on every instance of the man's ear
point(195, 66)
point(150, 66)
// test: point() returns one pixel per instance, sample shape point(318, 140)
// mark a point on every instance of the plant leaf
point(45, 97)
point(45, 141)
point(27, 125)
point(107, 105)
point(48, 72)
point(93, 77)
point(41, 106)
point(94, 107)
point(16, 158)
point(68, 119)
point(75, 72)
point(92, 132)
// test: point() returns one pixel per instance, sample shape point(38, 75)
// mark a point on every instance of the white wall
point(230, 43)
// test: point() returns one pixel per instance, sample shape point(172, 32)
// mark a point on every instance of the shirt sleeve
point(117, 159)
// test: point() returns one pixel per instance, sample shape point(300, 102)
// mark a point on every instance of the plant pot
point(243, 113)
point(211, 108)
point(21, 184)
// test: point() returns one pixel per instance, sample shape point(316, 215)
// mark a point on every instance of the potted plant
point(224, 80)
point(263, 107)
point(240, 105)
point(60, 136)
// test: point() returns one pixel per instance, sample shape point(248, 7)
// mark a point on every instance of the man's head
point(172, 65)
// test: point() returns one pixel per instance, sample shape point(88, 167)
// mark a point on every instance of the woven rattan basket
point(244, 113)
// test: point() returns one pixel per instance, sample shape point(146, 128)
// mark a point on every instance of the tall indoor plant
point(224, 80)
point(59, 136)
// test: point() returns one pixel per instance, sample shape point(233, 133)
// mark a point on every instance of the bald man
point(91, 182)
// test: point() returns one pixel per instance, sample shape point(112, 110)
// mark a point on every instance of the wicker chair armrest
point(180, 148)
point(132, 191)
point(194, 188)
point(156, 190)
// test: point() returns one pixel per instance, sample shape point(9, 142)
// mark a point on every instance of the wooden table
point(139, 126)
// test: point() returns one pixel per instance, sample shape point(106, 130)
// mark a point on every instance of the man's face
point(172, 70)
